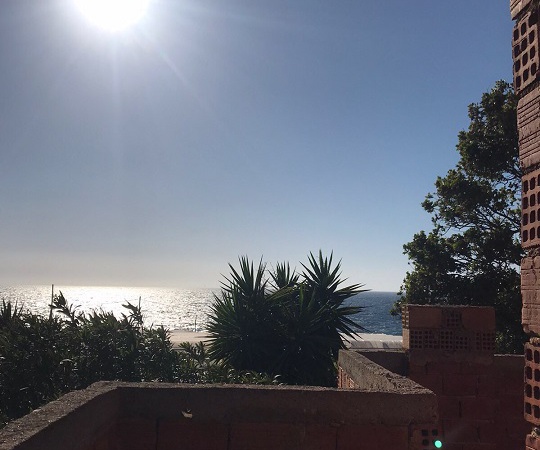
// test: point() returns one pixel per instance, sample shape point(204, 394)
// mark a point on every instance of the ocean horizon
point(180, 309)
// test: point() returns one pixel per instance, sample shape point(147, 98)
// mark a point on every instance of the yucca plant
point(9, 313)
point(283, 323)
point(244, 319)
point(323, 284)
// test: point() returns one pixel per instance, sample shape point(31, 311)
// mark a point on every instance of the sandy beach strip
point(179, 336)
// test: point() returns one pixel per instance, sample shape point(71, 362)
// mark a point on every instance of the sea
point(180, 309)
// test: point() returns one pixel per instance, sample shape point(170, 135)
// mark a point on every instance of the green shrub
point(43, 357)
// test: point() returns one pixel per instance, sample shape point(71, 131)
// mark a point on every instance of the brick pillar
point(451, 352)
point(526, 65)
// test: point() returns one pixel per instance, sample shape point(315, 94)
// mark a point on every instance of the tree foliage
point(283, 323)
point(472, 254)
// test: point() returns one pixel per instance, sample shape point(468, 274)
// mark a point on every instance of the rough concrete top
point(369, 375)
point(373, 341)
point(77, 418)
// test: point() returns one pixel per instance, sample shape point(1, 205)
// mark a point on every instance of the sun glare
point(113, 15)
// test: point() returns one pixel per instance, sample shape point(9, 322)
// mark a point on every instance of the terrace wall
point(144, 416)
point(449, 350)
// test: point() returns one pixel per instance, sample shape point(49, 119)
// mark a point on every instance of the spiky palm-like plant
point(244, 319)
point(292, 330)
point(322, 283)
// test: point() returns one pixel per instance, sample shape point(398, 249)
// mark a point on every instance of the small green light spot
point(437, 443)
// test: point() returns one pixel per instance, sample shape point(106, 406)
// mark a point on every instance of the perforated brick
point(517, 7)
point(421, 316)
point(530, 294)
point(528, 115)
point(448, 328)
point(450, 340)
point(530, 210)
point(423, 437)
point(532, 383)
point(525, 51)
point(451, 317)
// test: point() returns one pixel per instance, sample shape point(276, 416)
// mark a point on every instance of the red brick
point(320, 437)
point(370, 437)
point(492, 385)
point(424, 316)
point(479, 408)
point(525, 52)
point(133, 434)
point(481, 446)
point(102, 442)
point(406, 339)
point(444, 367)
point(532, 411)
point(530, 221)
point(528, 278)
point(530, 316)
point(461, 385)
point(460, 431)
point(530, 293)
point(449, 407)
point(271, 436)
point(512, 404)
point(528, 114)
point(532, 442)
point(517, 7)
point(532, 384)
point(433, 382)
point(478, 318)
point(414, 368)
point(490, 432)
point(480, 368)
point(526, 263)
point(453, 446)
point(514, 427)
point(358, 437)
point(529, 265)
point(185, 434)
point(419, 434)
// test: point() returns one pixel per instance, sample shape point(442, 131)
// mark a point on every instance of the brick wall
point(479, 394)
point(159, 416)
point(526, 68)
point(181, 434)
point(479, 402)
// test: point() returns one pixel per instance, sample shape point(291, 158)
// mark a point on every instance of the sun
point(113, 15)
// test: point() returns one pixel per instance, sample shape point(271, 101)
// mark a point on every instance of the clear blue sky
point(214, 129)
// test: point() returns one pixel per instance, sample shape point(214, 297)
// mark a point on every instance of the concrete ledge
point(281, 404)
point(72, 422)
point(368, 375)
point(79, 419)
point(393, 360)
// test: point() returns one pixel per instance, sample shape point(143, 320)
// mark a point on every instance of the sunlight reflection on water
point(179, 308)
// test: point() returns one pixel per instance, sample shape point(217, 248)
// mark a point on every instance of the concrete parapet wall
point(368, 375)
point(393, 360)
point(72, 422)
point(142, 416)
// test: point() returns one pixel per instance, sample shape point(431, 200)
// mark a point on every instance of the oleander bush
point(42, 358)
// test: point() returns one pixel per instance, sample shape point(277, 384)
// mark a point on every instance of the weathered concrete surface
point(393, 360)
point(368, 375)
point(283, 404)
point(102, 413)
point(72, 422)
